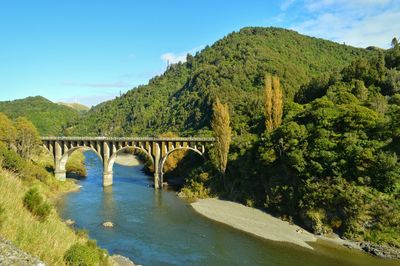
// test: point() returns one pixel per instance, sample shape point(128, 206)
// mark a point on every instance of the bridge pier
point(107, 178)
point(157, 150)
point(59, 171)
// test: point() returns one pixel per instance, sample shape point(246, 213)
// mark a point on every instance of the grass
point(49, 239)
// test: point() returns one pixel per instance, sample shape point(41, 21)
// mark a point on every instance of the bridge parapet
point(157, 149)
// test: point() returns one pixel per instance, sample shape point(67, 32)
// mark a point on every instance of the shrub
point(195, 190)
point(2, 212)
point(85, 254)
point(35, 203)
point(10, 160)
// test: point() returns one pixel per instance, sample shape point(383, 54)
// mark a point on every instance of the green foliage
point(35, 203)
point(7, 130)
point(195, 190)
point(83, 255)
point(10, 160)
point(333, 165)
point(76, 164)
point(232, 69)
point(48, 117)
point(27, 138)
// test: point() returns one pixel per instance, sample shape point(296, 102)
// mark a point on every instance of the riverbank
point(266, 226)
point(127, 159)
point(253, 221)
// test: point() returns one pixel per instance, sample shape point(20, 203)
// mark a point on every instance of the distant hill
point(233, 69)
point(77, 106)
point(48, 117)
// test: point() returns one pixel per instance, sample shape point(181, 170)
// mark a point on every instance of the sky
point(89, 51)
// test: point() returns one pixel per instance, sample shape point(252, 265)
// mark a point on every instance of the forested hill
point(48, 117)
point(233, 68)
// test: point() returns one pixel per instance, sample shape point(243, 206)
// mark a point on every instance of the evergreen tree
point(395, 42)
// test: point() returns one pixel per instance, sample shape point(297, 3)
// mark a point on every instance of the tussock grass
point(49, 239)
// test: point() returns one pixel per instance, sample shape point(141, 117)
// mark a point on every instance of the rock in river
point(108, 224)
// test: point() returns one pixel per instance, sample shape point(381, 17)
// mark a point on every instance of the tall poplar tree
point(222, 131)
point(273, 104)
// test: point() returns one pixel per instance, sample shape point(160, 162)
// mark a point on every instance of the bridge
point(107, 148)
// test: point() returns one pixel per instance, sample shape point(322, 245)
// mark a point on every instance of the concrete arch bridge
point(107, 148)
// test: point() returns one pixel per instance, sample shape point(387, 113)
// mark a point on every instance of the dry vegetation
point(49, 239)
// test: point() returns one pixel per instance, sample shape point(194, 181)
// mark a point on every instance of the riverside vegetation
point(27, 216)
point(319, 146)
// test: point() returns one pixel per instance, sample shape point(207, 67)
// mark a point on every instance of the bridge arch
point(165, 157)
point(111, 160)
point(64, 158)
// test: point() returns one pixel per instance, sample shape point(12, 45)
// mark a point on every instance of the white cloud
point(315, 5)
point(172, 58)
point(356, 22)
point(286, 4)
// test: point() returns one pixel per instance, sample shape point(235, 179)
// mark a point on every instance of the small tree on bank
point(27, 137)
point(7, 131)
point(222, 131)
point(273, 104)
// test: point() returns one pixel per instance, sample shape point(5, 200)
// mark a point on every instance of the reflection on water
point(154, 227)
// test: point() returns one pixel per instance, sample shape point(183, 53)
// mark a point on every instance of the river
point(154, 227)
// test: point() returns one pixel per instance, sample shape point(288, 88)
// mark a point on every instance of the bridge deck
point(192, 139)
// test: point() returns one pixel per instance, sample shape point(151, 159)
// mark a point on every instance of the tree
point(27, 137)
point(222, 130)
point(7, 130)
point(268, 103)
point(277, 100)
point(395, 42)
point(273, 103)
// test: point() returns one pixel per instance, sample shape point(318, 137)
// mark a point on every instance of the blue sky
point(90, 51)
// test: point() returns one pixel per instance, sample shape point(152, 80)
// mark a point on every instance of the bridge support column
point(157, 174)
point(107, 173)
point(59, 169)
point(107, 178)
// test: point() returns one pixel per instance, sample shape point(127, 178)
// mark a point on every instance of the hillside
point(77, 106)
point(233, 68)
point(48, 117)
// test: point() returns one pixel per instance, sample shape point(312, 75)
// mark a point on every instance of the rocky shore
point(381, 251)
point(11, 255)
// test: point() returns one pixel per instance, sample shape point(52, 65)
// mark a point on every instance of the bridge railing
point(188, 139)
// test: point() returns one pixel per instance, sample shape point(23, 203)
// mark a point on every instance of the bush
point(10, 160)
point(2, 211)
point(85, 254)
point(195, 190)
point(35, 203)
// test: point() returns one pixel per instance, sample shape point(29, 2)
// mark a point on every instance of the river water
point(154, 227)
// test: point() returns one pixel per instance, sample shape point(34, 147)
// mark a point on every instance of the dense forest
point(233, 69)
point(332, 164)
point(48, 117)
